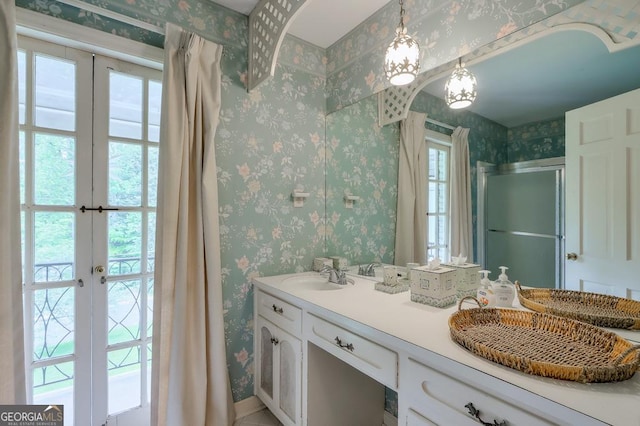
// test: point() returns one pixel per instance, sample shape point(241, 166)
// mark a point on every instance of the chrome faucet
point(368, 270)
point(336, 276)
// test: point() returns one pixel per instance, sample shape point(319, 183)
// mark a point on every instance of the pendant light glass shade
point(461, 88)
point(402, 60)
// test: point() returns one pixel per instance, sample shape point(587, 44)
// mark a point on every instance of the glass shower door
point(523, 226)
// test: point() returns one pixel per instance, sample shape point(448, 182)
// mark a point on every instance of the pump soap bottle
point(504, 290)
point(485, 293)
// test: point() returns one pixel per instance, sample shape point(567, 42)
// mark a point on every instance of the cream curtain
point(12, 371)
point(461, 229)
point(411, 221)
point(190, 383)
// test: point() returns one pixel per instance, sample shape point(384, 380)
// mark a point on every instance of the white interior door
point(602, 201)
point(89, 134)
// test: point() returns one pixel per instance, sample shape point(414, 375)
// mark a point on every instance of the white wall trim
point(248, 406)
point(54, 30)
point(389, 419)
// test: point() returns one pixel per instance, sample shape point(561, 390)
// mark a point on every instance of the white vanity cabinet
point(278, 375)
point(442, 394)
point(323, 357)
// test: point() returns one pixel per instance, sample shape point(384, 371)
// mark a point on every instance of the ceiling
point(534, 82)
point(545, 78)
point(320, 22)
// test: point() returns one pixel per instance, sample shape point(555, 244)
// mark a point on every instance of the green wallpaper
point(362, 158)
point(273, 138)
point(534, 141)
point(268, 141)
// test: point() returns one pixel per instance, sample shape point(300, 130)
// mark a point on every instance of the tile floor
point(260, 418)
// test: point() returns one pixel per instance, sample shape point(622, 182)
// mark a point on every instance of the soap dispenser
point(485, 294)
point(504, 290)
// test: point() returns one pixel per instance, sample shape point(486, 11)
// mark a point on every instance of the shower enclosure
point(521, 221)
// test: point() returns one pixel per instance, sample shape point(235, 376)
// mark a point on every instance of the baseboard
point(248, 406)
point(389, 419)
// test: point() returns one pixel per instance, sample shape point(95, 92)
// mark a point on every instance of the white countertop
point(427, 327)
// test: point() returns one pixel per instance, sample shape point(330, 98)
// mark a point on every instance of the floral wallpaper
point(362, 158)
point(268, 141)
point(274, 138)
point(445, 31)
point(534, 141)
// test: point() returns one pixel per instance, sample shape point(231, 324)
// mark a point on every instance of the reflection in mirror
point(518, 116)
point(361, 158)
point(525, 92)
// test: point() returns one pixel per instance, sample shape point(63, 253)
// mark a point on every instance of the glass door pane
point(125, 172)
point(55, 119)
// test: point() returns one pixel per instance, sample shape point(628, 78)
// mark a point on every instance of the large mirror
point(517, 119)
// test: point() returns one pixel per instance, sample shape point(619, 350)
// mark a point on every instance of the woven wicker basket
point(597, 309)
point(545, 345)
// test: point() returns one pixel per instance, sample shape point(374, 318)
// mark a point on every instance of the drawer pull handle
point(473, 411)
point(276, 309)
point(275, 341)
point(348, 346)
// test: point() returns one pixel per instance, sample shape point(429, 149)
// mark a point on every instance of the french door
point(89, 132)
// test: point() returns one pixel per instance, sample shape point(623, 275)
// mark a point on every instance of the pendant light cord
point(401, 14)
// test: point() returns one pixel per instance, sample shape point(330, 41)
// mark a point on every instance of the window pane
point(125, 242)
point(151, 242)
point(443, 165)
point(22, 85)
point(55, 93)
point(54, 384)
point(442, 198)
point(22, 160)
point(432, 206)
point(432, 241)
point(124, 379)
point(53, 322)
point(54, 250)
point(149, 361)
point(153, 108)
point(125, 106)
point(54, 169)
point(125, 174)
point(433, 163)
point(124, 311)
point(152, 168)
point(150, 308)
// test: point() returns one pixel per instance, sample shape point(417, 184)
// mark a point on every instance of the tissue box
point(467, 278)
point(434, 287)
point(321, 262)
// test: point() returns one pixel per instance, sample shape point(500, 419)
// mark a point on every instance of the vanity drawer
point(374, 360)
point(440, 398)
point(285, 315)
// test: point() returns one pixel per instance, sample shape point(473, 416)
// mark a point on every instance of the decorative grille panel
point(268, 24)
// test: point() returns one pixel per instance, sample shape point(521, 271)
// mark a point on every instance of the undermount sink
point(310, 282)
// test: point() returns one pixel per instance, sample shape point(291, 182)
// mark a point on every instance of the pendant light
point(402, 60)
point(461, 87)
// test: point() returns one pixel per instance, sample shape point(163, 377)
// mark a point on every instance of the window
point(438, 198)
point(89, 136)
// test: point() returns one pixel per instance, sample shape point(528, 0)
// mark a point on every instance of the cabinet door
point(266, 355)
point(289, 376)
point(279, 373)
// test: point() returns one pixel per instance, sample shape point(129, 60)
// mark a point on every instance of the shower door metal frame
point(484, 170)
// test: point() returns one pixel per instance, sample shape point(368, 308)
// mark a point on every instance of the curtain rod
point(439, 123)
point(114, 15)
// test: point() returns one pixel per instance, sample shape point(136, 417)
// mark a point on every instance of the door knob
point(572, 256)
point(99, 269)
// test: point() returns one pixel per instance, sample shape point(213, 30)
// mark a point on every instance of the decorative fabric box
point(467, 279)
point(434, 287)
